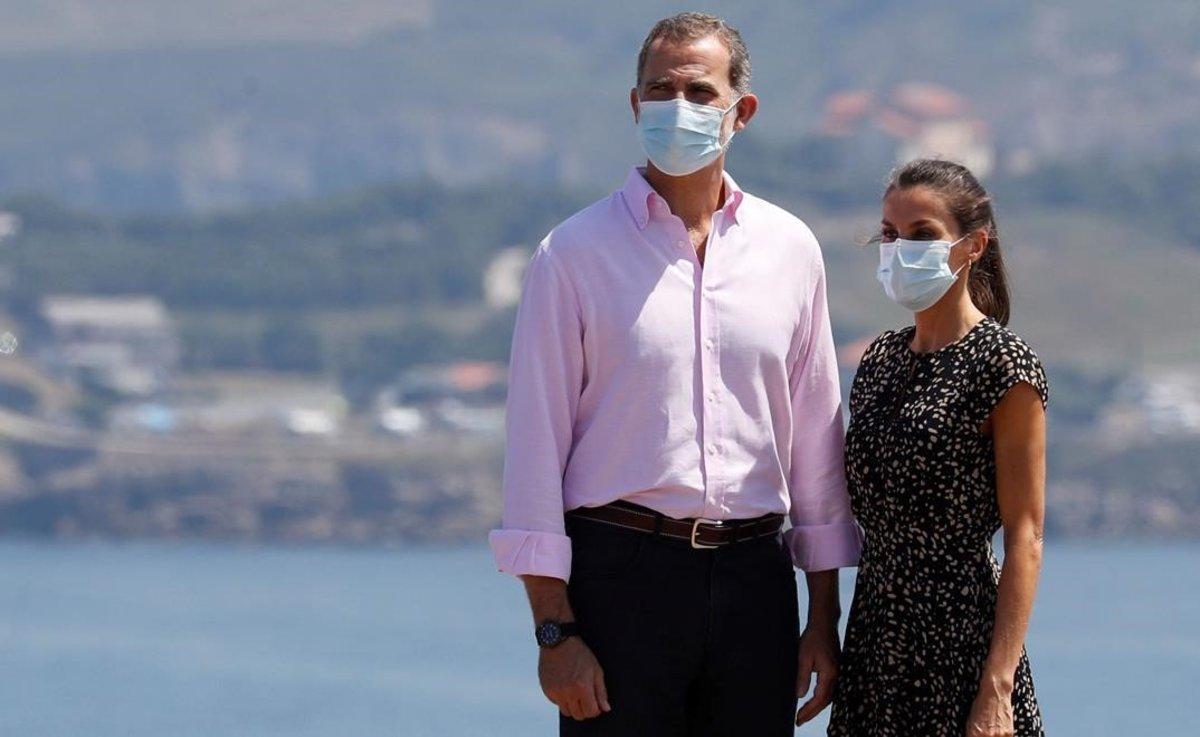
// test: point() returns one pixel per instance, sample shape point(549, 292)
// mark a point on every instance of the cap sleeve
point(1009, 362)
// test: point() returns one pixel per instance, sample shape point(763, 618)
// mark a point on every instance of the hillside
point(380, 278)
point(1081, 294)
point(157, 105)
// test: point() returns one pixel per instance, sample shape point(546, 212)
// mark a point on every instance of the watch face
point(548, 633)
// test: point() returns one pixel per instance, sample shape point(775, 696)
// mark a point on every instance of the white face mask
point(681, 137)
point(916, 274)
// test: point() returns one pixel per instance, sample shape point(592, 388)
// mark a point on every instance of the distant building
point(503, 276)
point(1152, 404)
point(845, 111)
point(1169, 401)
point(466, 397)
point(401, 420)
point(958, 140)
point(306, 421)
point(471, 382)
point(921, 120)
point(467, 419)
point(10, 225)
point(238, 402)
point(128, 344)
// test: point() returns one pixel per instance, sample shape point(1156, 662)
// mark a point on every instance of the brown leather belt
point(701, 533)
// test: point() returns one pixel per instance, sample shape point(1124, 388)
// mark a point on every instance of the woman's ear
point(979, 244)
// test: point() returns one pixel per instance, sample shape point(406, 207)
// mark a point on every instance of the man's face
point(696, 70)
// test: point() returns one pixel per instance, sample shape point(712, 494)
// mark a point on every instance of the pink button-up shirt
point(696, 391)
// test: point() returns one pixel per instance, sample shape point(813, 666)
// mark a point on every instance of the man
point(673, 395)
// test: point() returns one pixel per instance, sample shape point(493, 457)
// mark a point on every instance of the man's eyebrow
point(701, 84)
point(657, 80)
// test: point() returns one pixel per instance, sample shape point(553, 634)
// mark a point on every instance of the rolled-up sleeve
point(544, 385)
point(824, 534)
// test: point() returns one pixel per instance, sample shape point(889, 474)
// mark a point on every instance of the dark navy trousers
point(693, 643)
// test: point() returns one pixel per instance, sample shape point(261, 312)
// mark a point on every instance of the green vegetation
point(362, 285)
point(409, 244)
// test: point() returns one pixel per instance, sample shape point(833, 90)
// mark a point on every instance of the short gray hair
point(693, 26)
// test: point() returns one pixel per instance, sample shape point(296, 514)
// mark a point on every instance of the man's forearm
point(548, 598)
point(824, 608)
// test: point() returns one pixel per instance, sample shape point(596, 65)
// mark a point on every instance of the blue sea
point(159, 640)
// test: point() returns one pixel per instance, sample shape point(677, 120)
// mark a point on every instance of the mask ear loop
point(725, 145)
point(966, 263)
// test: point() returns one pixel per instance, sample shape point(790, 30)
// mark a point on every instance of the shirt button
point(712, 396)
point(712, 450)
point(710, 344)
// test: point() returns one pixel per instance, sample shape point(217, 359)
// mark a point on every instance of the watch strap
point(563, 631)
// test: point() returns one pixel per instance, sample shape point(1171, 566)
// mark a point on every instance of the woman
point(946, 445)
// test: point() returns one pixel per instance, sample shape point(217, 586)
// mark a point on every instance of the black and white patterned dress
point(922, 480)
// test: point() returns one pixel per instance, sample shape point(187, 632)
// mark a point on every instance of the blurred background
point(258, 267)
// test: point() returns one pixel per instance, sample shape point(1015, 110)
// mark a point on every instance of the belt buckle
point(695, 528)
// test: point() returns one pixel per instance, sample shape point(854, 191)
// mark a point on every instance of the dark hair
point(692, 26)
point(971, 207)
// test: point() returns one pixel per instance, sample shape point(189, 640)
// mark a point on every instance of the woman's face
point(920, 214)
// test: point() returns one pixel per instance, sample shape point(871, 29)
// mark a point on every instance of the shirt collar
point(638, 196)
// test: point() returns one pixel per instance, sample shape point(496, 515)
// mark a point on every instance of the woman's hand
point(992, 713)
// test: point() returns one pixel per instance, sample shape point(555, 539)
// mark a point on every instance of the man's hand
point(573, 680)
point(818, 655)
point(819, 649)
point(569, 673)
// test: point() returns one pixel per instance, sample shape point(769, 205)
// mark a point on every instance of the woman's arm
point(1018, 428)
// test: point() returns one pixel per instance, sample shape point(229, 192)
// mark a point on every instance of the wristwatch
point(551, 633)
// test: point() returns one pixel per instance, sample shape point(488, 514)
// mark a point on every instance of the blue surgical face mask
point(916, 274)
point(681, 137)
